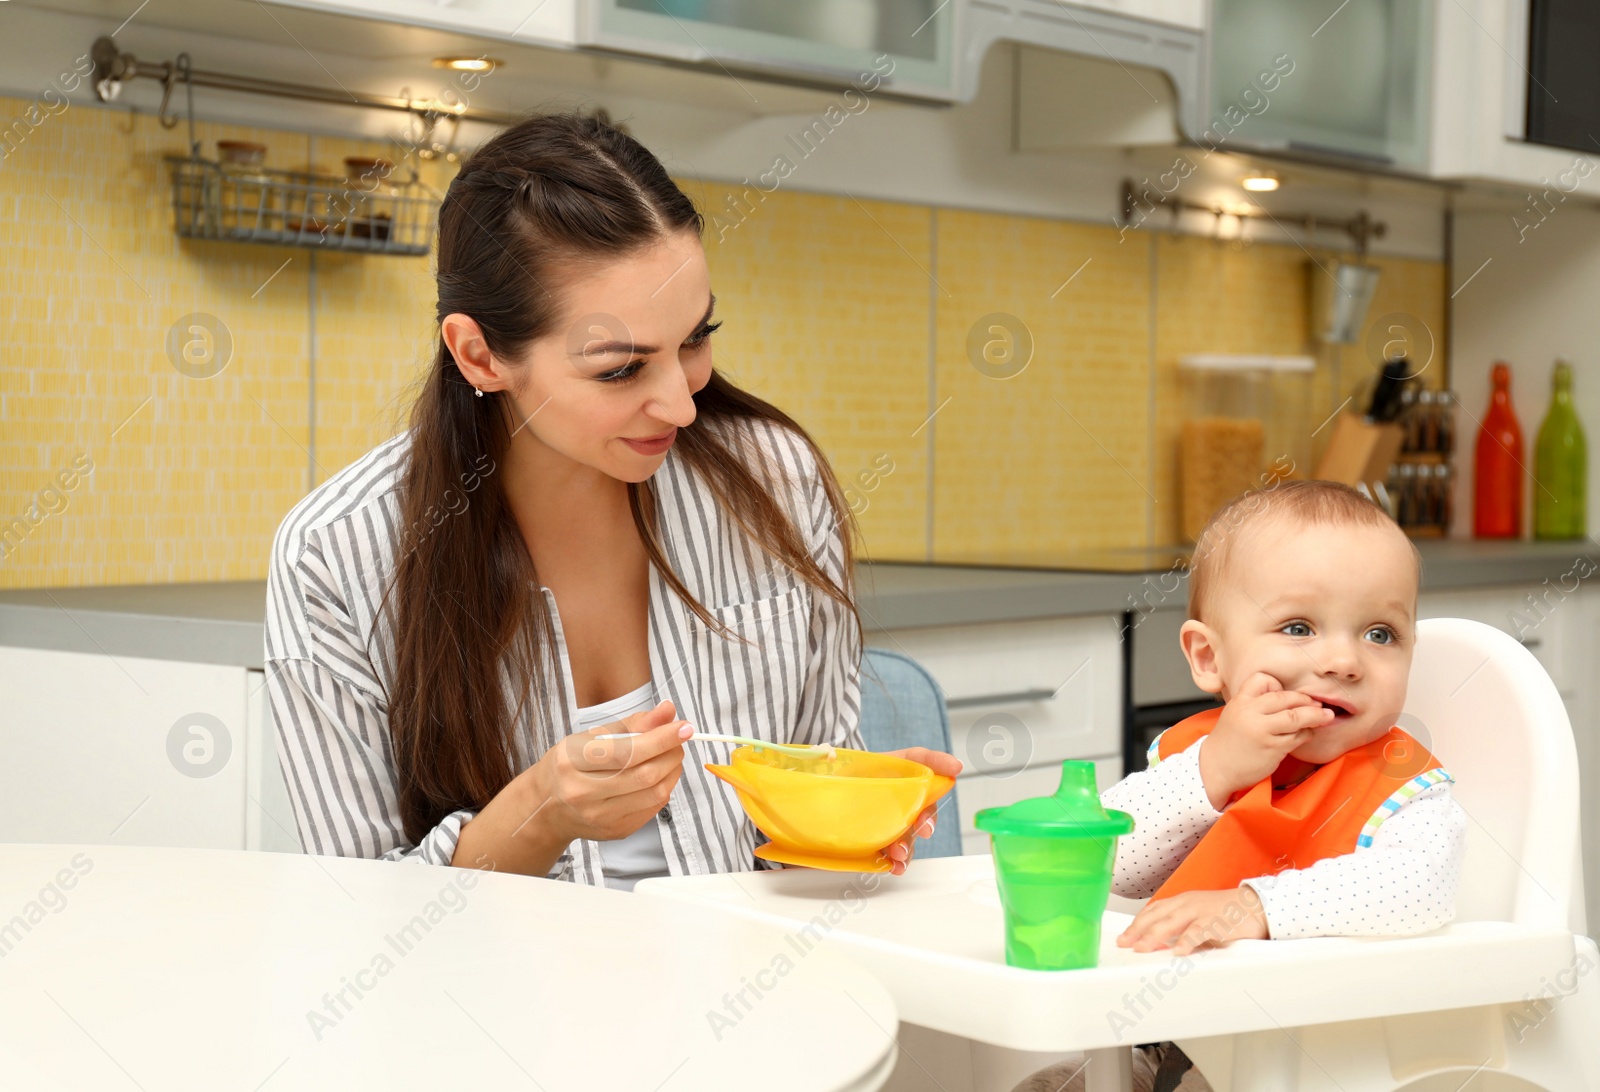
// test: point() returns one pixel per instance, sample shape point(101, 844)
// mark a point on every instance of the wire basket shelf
point(366, 215)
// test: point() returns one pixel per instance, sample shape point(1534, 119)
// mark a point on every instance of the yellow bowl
point(834, 813)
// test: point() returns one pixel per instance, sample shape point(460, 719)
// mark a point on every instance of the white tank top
point(640, 855)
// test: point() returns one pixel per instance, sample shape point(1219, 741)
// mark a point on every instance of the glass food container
point(1246, 424)
point(243, 204)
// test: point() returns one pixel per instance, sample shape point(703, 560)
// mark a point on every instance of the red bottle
point(1497, 511)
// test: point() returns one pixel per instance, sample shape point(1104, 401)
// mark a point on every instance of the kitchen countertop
point(222, 622)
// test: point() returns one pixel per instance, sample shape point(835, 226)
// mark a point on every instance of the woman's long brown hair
point(472, 633)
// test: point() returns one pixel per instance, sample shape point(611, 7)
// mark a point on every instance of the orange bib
point(1264, 830)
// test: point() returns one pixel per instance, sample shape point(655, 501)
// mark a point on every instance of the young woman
point(586, 530)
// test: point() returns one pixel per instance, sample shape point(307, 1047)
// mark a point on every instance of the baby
point(1297, 809)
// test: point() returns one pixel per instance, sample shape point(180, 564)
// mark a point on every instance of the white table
point(935, 938)
point(165, 969)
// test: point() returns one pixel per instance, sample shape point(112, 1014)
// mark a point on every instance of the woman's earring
point(477, 392)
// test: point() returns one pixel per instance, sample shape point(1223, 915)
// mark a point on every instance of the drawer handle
point(1531, 642)
point(1016, 696)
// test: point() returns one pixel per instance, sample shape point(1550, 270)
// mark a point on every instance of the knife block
point(1359, 451)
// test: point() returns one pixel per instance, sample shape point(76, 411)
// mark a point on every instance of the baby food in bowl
point(834, 813)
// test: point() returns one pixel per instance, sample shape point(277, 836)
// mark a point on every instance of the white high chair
point(1486, 709)
point(1503, 999)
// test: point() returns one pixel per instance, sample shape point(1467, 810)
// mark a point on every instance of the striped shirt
point(330, 659)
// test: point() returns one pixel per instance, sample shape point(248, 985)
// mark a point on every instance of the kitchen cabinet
point(906, 46)
point(1428, 88)
point(935, 47)
point(1074, 83)
point(1306, 79)
point(931, 50)
point(1532, 615)
point(543, 22)
point(833, 42)
point(131, 751)
point(1432, 89)
point(1480, 100)
point(1354, 86)
point(269, 817)
point(1022, 697)
point(1178, 13)
point(134, 751)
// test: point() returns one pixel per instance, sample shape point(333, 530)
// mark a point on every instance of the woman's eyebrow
point(607, 348)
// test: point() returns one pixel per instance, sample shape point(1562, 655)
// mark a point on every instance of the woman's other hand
point(901, 849)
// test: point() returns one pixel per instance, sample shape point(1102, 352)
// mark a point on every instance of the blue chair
point(901, 706)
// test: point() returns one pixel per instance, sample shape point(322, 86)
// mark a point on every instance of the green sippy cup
point(1052, 862)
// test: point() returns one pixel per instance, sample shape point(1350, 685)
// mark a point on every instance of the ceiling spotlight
point(468, 64)
point(1259, 182)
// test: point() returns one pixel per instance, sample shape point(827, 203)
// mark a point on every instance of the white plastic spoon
point(806, 750)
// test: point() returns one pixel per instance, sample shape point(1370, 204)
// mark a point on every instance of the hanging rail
point(113, 67)
point(1139, 204)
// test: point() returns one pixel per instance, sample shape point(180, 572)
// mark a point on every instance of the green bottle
point(1561, 464)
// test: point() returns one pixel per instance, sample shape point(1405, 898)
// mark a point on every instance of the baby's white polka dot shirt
point(1403, 883)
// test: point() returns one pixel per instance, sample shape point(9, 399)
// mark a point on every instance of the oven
point(1157, 688)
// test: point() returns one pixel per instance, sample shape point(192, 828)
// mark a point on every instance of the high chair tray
point(935, 937)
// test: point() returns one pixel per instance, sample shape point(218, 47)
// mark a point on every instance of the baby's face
point(1327, 610)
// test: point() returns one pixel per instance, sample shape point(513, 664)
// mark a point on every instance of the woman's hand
point(604, 789)
point(1197, 919)
point(900, 850)
point(581, 788)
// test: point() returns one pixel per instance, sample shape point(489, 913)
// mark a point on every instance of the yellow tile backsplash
point(1218, 297)
point(890, 330)
point(825, 301)
point(190, 476)
point(1042, 341)
point(374, 318)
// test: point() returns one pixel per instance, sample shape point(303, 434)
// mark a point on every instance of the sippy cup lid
point(1072, 811)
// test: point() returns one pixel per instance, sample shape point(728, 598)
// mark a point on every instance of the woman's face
point(611, 385)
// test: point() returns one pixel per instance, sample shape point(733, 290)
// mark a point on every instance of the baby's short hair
point(1303, 502)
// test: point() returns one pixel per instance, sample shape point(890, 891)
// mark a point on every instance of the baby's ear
point(1199, 643)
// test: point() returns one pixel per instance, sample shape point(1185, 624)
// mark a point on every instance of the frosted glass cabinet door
point(834, 41)
point(121, 750)
point(1352, 82)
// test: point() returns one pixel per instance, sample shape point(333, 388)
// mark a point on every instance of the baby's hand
point(1260, 725)
point(1197, 919)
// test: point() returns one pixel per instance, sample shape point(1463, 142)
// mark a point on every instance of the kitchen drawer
point(1540, 624)
point(1024, 693)
point(974, 792)
point(123, 751)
